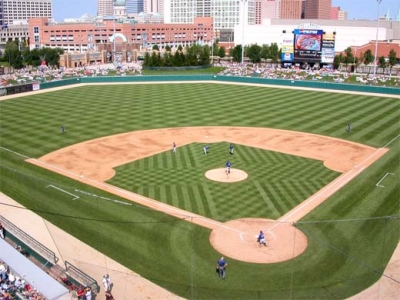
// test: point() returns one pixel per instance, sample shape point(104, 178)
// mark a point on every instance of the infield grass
point(350, 237)
point(277, 182)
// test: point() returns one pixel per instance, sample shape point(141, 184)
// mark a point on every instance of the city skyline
point(76, 8)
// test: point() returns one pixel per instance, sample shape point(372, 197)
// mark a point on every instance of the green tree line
point(18, 58)
point(366, 58)
point(194, 55)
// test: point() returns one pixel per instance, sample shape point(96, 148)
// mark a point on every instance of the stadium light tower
point(244, 17)
point(376, 40)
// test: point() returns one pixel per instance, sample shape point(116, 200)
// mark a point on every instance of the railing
point(80, 277)
point(25, 238)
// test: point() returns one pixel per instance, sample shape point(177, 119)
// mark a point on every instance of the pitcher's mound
point(221, 176)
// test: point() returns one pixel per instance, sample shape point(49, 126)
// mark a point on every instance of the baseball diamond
point(310, 185)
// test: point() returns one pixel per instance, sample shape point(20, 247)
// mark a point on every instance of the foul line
point(162, 206)
point(16, 153)
point(378, 184)
point(57, 188)
point(104, 198)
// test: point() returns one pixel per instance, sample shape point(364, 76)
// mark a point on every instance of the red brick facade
point(82, 37)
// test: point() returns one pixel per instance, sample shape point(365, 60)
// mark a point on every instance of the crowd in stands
point(44, 73)
point(263, 70)
point(12, 286)
point(275, 71)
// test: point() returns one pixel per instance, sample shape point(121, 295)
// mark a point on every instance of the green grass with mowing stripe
point(277, 182)
point(343, 257)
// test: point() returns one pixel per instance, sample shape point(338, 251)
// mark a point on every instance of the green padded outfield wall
point(233, 79)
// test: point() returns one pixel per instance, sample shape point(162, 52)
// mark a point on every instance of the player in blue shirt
point(228, 167)
point(221, 266)
point(261, 239)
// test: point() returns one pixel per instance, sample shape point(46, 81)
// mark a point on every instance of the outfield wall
point(236, 79)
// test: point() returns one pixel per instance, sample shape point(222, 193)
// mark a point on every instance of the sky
point(357, 9)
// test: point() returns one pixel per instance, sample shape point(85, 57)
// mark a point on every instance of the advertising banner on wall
point(328, 48)
point(35, 86)
point(287, 53)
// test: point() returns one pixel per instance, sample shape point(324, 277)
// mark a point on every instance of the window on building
point(36, 29)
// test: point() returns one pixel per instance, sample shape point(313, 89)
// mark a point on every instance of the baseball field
point(97, 180)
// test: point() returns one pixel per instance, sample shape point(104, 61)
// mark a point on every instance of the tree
point(265, 51)
point(274, 52)
point(168, 60)
point(52, 56)
point(368, 57)
point(237, 53)
point(204, 57)
point(13, 55)
point(349, 57)
point(382, 63)
point(336, 61)
point(392, 60)
point(155, 48)
point(146, 60)
point(191, 56)
point(221, 52)
point(167, 48)
point(254, 53)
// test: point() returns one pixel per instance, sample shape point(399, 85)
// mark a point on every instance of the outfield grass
point(343, 257)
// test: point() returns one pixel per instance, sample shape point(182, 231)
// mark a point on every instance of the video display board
point(307, 45)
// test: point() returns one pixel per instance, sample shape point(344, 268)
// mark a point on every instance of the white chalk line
point(144, 199)
point(383, 178)
point(57, 188)
point(16, 153)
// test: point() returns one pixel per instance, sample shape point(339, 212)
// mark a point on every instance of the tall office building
point(318, 9)
point(266, 9)
point(134, 6)
point(105, 7)
point(15, 11)
point(291, 9)
point(225, 13)
point(14, 16)
point(153, 6)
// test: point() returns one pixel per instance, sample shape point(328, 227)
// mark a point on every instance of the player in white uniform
point(174, 147)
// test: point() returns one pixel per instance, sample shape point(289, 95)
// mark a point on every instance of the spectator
point(1, 231)
point(107, 283)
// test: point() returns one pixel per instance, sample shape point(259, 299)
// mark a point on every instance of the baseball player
point(205, 149)
point(228, 167)
point(174, 147)
point(231, 147)
point(261, 239)
point(348, 127)
point(63, 129)
point(221, 266)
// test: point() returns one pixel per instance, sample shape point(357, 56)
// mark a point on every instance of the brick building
point(291, 9)
point(109, 41)
point(318, 9)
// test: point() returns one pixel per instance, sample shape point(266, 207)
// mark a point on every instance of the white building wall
point(345, 36)
point(226, 13)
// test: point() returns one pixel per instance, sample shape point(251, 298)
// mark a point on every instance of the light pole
point(244, 10)
point(114, 46)
point(80, 37)
point(376, 40)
